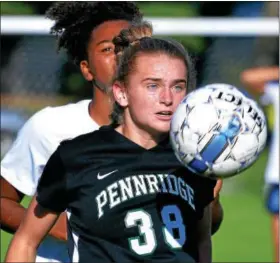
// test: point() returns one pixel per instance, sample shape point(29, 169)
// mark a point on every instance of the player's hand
point(218, 187)
point(59, 230)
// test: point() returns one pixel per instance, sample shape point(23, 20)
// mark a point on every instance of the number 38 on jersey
point(146, 242)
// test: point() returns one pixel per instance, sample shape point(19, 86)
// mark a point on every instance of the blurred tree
point(17, 8)
point(212, 8)
point(40, 6)
point(9, 42)
point(175, 9)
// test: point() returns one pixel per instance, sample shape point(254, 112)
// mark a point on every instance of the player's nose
point(166, 96)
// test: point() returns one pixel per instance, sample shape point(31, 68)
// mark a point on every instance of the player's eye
point(107, 49)
point(152, 86)
point(179, 88)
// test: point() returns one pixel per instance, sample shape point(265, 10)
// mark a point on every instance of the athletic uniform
point(37, 140)
point(271, 95)
point(124, 203)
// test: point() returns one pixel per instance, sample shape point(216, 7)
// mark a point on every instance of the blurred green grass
point(245, 233)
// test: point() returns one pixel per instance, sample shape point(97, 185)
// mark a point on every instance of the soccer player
point(265, 81)
point(85, 30)
point(128, 198)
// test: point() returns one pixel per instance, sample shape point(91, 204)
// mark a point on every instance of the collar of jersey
point(111, 135)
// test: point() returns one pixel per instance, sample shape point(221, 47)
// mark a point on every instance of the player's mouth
point(164, 115)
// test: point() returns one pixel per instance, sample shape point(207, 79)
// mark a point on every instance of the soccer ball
point(217, 132)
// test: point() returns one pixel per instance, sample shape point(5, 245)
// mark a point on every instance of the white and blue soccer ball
point(217, 132)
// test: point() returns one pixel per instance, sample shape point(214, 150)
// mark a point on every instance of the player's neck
point(139, 136)
point(100, 108)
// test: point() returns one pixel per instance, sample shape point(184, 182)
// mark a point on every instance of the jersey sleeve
point(207, 192)
point(205, 195)
point(22, 166)
point(52, 186)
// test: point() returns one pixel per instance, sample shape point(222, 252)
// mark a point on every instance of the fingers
point(218, 187)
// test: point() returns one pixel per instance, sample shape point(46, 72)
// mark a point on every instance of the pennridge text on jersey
point(137, 185)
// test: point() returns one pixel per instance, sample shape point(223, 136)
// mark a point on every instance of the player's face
point(155, 88)
point(101, 57)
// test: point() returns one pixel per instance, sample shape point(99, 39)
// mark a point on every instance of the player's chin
point(162, 126)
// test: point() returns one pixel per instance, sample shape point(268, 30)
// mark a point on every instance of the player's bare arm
point(217, 215)
point(27, 238)
point(204, 237)
point(255, 78)
point(12, 212)
point(217, 209)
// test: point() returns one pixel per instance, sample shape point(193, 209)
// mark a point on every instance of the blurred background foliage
point(72, 83)
point(151, 9)
point(17, 8)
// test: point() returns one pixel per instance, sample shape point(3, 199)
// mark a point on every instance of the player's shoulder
point(196, 179)
point(64, 112)
point(83, 145)
point(36, 125)
point(51, 118)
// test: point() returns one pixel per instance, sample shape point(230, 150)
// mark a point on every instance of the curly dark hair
point(74, 22)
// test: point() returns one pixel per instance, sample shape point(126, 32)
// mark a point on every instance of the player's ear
point(86, 71)
point(119, 92)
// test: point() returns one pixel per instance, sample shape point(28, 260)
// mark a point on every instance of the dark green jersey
point(124, 203)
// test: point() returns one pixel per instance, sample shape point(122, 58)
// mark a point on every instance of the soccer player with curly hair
point(85, 30)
